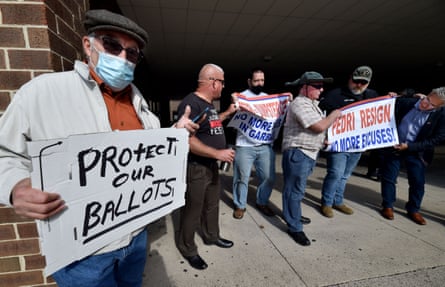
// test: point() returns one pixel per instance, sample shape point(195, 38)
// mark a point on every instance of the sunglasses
point(113, 47)
point(317, 86)
point(361, 82)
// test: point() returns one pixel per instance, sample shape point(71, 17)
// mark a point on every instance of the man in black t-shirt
point(339, 165)
point(207, 146)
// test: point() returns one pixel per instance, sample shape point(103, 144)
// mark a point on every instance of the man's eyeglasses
point(113, 47)
point(361, 82)
point(219, 80)
point(317, 86)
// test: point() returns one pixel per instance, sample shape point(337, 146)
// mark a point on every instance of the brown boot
point(388, 213)
point(238, 213)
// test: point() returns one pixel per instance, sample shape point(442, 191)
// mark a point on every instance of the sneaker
point(265, 210)
point(238, 213)
point(327, 211)
point(343, 208)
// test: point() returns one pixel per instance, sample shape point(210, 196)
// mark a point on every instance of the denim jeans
point(415, 169)
point(122, 267)
point(296, 169)
point(263, 158)
point(339, 168)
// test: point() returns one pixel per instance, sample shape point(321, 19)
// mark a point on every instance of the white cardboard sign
point(113, 184)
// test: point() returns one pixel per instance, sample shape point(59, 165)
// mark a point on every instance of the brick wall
point(36, 36)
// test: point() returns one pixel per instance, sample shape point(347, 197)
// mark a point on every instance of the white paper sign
point(113, 184)
point(364, 125)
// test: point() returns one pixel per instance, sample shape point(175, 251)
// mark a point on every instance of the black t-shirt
point(210, 132)
point(340, 97)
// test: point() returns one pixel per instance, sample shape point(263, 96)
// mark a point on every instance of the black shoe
point(305, 220)
point(265, 210)
point(299, 237)
point(374, 175)
point(196, 262)
point(221, 242)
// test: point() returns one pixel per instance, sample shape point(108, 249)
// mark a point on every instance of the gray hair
point(440, 92)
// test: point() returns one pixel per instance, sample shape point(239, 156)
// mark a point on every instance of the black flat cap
point(106, 20)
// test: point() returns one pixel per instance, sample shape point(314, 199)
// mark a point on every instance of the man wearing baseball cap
point(97, 96)
point(303, 136)
point(341, 164)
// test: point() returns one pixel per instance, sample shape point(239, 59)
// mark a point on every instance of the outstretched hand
point(187, 123)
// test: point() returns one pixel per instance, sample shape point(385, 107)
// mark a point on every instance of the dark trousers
point(415, 169)
point(201, 207)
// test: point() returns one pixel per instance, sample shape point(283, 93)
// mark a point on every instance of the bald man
point(207, 146)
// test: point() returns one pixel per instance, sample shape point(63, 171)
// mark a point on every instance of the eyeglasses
point(317, 86)
point(113, 47)
point(361, 82)
point(219, 80)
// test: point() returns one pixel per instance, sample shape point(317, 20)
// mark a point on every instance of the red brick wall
point(36, 36)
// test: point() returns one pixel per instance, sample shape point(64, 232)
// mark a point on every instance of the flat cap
point(105, 20)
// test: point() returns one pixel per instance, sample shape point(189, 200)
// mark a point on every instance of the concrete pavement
point(362, 249)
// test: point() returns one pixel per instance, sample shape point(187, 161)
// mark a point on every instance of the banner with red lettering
point(364, 125)
point(260, 118)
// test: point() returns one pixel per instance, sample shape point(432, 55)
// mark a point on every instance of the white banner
point(260, 118)
point(112, 183)
point(364, 125)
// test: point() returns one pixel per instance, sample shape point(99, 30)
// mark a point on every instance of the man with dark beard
point(341, 164)
point(248, 154)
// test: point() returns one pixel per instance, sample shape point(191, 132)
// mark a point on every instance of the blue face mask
point(116, 72)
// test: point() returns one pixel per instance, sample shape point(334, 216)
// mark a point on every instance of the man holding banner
point(253, 153)
point(421, 127)
point(303, 136)
point(341, 164)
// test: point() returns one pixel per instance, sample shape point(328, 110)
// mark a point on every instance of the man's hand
point(34, 203)
point(227, 155)
point(402, 146)
point(393, 94)
point(187, 123)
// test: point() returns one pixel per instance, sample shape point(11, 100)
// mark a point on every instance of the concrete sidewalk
point(362, 249)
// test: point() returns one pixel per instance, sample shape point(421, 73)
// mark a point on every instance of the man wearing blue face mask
point(97, 96)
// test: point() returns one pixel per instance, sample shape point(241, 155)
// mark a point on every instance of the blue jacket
point(430, 135)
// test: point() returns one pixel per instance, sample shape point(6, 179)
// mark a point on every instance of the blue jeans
point(339, 168)
point(296, 169)
point(122, 267)
point(263, 157)
point(416, 179)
